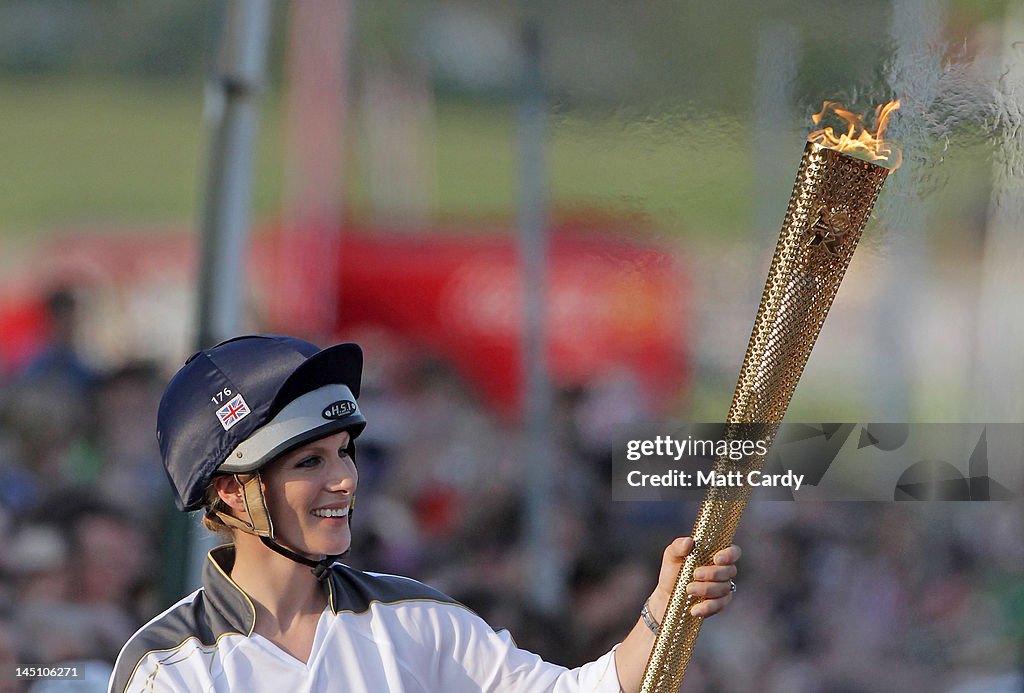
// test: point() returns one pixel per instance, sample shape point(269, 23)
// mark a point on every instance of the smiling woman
point(314, 487)
point(260, 432)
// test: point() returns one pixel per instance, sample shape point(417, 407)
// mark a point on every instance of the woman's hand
point(712, 582)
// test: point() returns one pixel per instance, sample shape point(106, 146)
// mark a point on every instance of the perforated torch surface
point(832, 199)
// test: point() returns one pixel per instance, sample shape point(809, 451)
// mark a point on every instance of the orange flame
point(858, 140)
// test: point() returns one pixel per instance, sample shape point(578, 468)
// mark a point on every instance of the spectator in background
point(61, 359)
point(82, 567)
point(49, 403)
point(123, 449)
point(112, 556)
point(20, 487)
point(49, 421)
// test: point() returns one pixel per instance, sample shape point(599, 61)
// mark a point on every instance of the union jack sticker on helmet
point(233, 412)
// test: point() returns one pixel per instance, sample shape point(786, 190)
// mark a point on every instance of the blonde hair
point(213, 505)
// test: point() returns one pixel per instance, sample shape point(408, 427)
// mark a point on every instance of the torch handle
point(716, 523)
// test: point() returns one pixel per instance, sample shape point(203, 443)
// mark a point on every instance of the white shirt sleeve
point(471, 656)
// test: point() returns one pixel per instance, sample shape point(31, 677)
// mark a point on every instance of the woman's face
point(309, 493)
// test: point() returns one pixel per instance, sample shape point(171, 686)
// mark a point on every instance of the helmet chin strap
point(262, 526)
point(319, 568)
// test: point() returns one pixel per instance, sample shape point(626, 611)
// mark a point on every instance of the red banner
point(613, 307)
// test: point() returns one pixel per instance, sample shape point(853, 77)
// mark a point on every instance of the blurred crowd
point(838, 597)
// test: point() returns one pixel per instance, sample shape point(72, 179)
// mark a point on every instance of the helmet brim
point(341, 364)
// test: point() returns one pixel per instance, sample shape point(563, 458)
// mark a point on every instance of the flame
point(858, 140)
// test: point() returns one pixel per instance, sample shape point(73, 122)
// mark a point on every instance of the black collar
point(226, 597)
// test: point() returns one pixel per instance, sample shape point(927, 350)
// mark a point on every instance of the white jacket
point(378, 634)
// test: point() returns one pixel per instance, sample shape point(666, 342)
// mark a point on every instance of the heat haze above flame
point(858, 140)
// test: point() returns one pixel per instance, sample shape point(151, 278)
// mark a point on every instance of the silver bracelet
point(645, 614)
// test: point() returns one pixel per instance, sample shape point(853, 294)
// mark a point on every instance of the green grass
point(475, 152)
point(85, 152)
point(679, 178)
point(684, 176)
point(88, 152)
point(94, 153)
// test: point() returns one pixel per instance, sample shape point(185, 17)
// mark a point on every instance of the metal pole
point(547, 582)
point(235, 116)
point(233, 113)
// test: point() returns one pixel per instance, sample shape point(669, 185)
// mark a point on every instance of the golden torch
point(836, 186)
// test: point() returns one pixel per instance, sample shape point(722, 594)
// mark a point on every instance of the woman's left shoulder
point(355, 590)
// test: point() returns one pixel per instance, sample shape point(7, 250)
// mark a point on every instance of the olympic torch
point(836, 186)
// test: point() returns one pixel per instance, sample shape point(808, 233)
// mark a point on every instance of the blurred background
point(456, 185)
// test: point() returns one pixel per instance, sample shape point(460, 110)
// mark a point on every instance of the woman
point(259, 432)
